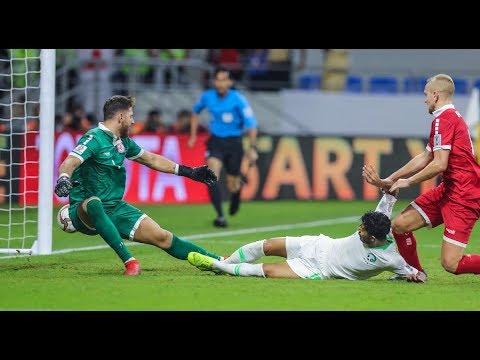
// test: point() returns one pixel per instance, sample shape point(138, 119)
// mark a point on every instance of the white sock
point(131, 258)
point(247, 253)
point(242, 269)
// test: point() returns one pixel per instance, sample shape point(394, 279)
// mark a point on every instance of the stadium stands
point(383, 84)
point(461, 86)
point(414, 84)
point(354, 84)
point(309, 82)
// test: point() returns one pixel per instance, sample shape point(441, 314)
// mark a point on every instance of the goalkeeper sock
point(247, 253)
point(216, 198)
point(106, 229)
point(180, 248)
point(243, 269)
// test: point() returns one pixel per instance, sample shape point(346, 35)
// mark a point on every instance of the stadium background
point(313, 140)
point(303, 172)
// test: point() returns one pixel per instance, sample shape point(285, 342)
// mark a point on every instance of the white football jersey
point(350, 258)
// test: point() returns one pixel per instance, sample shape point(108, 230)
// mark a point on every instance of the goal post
point(27, 132)
point(47, 137)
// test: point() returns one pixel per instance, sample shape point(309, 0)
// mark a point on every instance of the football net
point(27, 106)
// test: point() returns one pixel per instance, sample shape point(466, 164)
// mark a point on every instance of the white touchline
point(349, 219)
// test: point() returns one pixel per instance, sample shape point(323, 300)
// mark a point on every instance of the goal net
point(27, 106)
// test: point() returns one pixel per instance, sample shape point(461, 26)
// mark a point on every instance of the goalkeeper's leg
point(107, 230)
point(149, 232)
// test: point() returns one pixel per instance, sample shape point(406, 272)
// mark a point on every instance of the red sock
point(407, 247)
point(469, 264)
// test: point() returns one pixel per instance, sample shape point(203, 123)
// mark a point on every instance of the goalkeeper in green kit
point(93, 175)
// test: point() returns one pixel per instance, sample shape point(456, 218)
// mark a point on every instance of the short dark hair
point(376, 224)
point(117, 103)
point(154, 112)
point(184, 113)
point(220, 69)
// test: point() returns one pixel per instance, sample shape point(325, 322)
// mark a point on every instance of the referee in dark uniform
point(230, 117)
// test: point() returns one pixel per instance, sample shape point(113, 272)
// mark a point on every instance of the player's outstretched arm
point(157, 162)
point(200, 173)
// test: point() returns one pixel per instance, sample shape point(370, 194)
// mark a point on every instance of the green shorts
point(124, 216)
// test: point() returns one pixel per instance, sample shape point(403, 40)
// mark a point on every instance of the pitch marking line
point(349, 219)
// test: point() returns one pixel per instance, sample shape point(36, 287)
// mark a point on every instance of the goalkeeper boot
point(132, 267)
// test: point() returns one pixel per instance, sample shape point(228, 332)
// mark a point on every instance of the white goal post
point(27, 125)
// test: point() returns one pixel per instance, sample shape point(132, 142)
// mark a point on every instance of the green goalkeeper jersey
point(102, 172)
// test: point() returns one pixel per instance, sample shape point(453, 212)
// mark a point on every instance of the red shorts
point(459, 217)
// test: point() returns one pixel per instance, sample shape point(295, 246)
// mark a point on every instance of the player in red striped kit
point(455, 202)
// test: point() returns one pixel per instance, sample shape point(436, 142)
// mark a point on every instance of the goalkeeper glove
point(64, 184)
point(200, 173)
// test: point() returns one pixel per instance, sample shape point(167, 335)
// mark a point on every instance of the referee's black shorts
point(229, 150)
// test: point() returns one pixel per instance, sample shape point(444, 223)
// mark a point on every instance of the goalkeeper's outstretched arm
point(160, 163)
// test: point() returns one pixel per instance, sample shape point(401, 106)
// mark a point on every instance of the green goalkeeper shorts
point(124, 216)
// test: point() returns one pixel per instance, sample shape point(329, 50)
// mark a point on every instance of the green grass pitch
point(90, 277)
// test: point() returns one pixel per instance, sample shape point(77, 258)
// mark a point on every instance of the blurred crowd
point(100, 73)
point(154, 123)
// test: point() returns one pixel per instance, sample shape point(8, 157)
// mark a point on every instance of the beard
point(124, 131)
point(363, 239)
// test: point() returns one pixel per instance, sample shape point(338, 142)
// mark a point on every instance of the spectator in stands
point(68, 124)
point(17, 114)
point(33, 118)
point(76, 120)
point(66, 63)
point(95, 76)
point(174, 72)
point(25, 61)
point(59, 123)
point(153, 123)
point(182, 123)
point(230, 59)
point(135, 68)
point(81, 117)
point(335, 69)
point(279, 68)
point(257, 69)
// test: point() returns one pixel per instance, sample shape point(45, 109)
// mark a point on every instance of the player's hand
point(419, 277)
point(372, 177)
point(200, 173)
point(400, 183)
point(64, 185)
point(390, 192)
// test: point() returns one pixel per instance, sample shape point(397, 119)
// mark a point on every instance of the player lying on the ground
point(364, 254)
